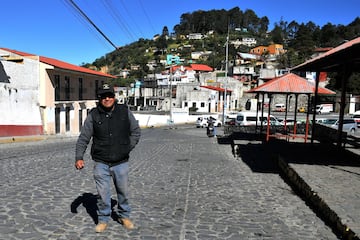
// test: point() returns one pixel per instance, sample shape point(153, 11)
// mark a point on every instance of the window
point(240, 118)
point(57, 88)
point(251, 119)
point(96, 87)
point(185, 104)
point(67, 88)
point(202, 104)
point(348, 121)
point(263, 119)
point(80, 89)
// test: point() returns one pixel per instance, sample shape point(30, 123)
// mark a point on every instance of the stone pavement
point(327, 178)
point(183, 185)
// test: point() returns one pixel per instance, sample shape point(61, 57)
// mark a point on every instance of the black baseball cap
point(105, 89)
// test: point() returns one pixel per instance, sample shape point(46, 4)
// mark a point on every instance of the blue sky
point(52, 28)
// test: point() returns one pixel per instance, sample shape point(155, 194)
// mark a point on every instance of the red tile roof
point(195, 67)
point(290, 83)
point(201, 67)
point(60, 64)
point(219, 89)
point(182, 68)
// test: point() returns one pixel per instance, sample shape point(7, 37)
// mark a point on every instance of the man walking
point(114, 132)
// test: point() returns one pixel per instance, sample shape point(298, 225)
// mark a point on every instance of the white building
point(41, 95)
point(250, 42)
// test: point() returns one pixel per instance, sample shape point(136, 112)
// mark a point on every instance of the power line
point(92, 23)
point(109, 6)
point(84, 22)
point(146, 15)
point(130, 16)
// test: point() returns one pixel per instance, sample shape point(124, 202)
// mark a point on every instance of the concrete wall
point(19, 97)
point(152, 120)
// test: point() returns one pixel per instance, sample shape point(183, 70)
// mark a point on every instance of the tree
point(277, 34)
point(303, 42)
point(165, 31)
point(292, 29)
point(353, 85)
point(161, 43)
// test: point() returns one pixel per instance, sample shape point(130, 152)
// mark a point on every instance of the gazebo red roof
point(290, 83)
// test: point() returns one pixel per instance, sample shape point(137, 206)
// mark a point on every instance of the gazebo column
point(287, 106)
point(315, 103)
point(268, 119)
point(295, 113)
point(307, 117)
point(345, 77)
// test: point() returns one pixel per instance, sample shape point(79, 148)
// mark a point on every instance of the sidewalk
point(327, 178)
point(329, 181)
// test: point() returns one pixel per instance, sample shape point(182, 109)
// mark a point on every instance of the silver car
point(349, 125)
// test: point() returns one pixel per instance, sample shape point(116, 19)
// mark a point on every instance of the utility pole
point(170, 78)
point(226, 75)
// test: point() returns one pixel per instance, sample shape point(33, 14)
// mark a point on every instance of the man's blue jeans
point(103, 174)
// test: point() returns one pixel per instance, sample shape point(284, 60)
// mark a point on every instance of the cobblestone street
point(183, 185)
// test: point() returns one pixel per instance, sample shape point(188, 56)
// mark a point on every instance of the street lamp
point(226, 74)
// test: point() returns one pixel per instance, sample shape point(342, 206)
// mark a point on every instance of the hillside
point(299, 39)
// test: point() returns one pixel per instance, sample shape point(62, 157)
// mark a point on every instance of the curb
point(31, 138)
point(316, 202)
point(22, 139)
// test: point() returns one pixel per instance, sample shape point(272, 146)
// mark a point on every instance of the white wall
point(149, 120)
point(19, 96)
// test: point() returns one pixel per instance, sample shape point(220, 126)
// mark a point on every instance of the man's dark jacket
point(114, 134)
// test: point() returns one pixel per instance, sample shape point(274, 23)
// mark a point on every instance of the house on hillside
point(246, 41)
point(195, 36)
point(203, 99)
point(190, 87)
point(42, 95)
point(272, 50)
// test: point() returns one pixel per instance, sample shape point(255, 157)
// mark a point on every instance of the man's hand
point(79, 164)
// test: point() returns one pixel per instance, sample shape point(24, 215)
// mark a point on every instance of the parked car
point(326, 121)
point(230, 121)
point(289, 121)
point(356, 117)
point(249, 118)
point(202, 122)
point(349, 125)
point(302, 109)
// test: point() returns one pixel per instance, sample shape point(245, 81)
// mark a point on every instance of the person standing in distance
point(114, 132)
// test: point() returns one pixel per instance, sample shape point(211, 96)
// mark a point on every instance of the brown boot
point(126, 223)
point(100, 227)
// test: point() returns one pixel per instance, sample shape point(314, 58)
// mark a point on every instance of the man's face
point(107, 100)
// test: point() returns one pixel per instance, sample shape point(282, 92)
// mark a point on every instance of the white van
point(280, 107)
point(249, 118)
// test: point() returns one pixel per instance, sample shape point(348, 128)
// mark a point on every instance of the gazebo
point(289, 84)
point(344, 59)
